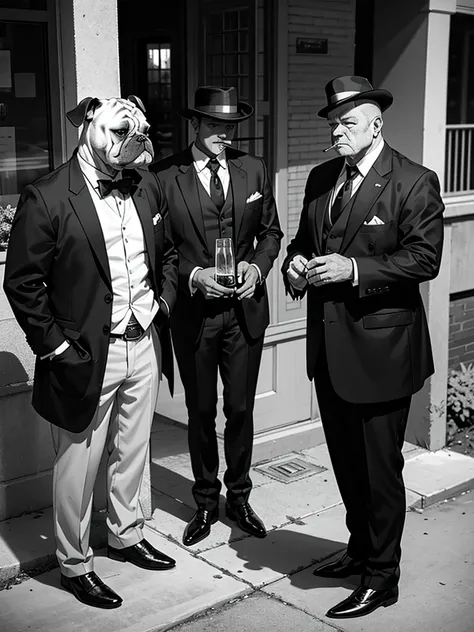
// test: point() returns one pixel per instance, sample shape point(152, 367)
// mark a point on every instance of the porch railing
point(459, 175)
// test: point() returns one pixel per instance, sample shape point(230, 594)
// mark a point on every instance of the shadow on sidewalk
point(289, 552)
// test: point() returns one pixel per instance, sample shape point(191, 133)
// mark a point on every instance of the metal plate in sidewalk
point(289, 468)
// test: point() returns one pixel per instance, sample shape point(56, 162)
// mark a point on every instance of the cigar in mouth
point(331, 147)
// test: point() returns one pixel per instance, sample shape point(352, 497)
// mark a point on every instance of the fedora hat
point(221, 104)
point(345, 89)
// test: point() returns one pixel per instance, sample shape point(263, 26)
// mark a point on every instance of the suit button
point(332, 236)
point(328, 251)
point(106, 329)
point(108, 298)
point(371, 247)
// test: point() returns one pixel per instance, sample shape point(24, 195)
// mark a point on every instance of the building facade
point(279, 54)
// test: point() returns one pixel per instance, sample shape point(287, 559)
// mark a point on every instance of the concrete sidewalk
point(303, 514)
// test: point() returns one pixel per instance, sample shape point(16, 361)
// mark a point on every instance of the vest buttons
point(371, 247)
point(328, 251)
point(106, 329)
point(108, 298)
point(332, 236)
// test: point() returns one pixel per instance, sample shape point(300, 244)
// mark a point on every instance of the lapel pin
point(377, 184)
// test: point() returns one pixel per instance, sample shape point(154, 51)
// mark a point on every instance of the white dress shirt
point(126, 253)
point(364, 165)
point(204, 174)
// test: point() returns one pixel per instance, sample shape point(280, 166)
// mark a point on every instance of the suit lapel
point(142, 205)
point(371, 188)
point(238, 182)
point(186, 181)
point(84, 208)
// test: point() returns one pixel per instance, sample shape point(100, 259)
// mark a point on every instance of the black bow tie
point(126, 185)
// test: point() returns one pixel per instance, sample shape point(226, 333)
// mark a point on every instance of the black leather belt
point(133, 331)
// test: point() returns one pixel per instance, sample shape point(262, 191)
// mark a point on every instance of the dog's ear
point(83, 110)
point(137, 101)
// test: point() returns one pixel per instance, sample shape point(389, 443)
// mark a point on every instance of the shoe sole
point(385, 604)
point(202, 537)
point(231, 516)
point(92, 605)
point(121, 558)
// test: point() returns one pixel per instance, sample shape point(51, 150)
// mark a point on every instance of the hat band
point(218, 109)
point(343, 95)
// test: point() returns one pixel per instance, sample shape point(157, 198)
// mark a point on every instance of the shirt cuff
point(192, 289)
point(62, 347)
point(167, 306)
point(355, 269)
point(258, 270)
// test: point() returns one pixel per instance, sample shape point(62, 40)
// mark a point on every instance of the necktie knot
point(213, 164)
point(351, 172)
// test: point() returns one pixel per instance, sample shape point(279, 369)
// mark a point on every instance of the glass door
point(30, 144)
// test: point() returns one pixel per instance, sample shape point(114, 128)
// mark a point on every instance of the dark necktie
point(217, 194)
point(125, 185)
point(344, 194)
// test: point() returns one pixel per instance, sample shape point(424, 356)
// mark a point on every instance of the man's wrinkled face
point(215, 136)
point(117, 134)
point(355, 128)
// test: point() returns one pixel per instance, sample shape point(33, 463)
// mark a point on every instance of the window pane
point(231, 42)
point(153, 57)
point(243, 18)
point(165, 58)
point(231, 64)
point(25, 145)
point(231, 20)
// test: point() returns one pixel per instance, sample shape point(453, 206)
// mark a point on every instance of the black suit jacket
point(257, 235)
point(376, 334)
point(57, 280)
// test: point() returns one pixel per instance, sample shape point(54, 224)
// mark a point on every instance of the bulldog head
point(114, 134)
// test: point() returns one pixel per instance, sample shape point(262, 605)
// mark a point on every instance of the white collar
point(366, 163)
point(92, 174)
point(201, 159)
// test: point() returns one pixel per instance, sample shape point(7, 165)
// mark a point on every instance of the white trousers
point(122, 425)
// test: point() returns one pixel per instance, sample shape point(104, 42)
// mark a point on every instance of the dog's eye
point(120, 132)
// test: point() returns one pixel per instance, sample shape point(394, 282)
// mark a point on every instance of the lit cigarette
point(332, 147)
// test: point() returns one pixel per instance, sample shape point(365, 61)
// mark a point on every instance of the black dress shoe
point(363, 601)
point(246, 519)
point(91, 590)
point(199, 527)
point(343, 567)
point(143, 555)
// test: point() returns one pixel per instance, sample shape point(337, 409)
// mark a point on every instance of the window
point(25, 119)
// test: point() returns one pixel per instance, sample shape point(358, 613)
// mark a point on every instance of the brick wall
point(461, 331)
point(333, 20)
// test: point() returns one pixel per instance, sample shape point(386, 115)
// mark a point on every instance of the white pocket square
point(375, 221)
point(157, 218)
point(252, 198)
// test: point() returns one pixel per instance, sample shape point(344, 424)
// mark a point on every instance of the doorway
point(152, 52)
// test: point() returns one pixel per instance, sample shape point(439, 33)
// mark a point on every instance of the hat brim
point(384, 98)
point(245, 111)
